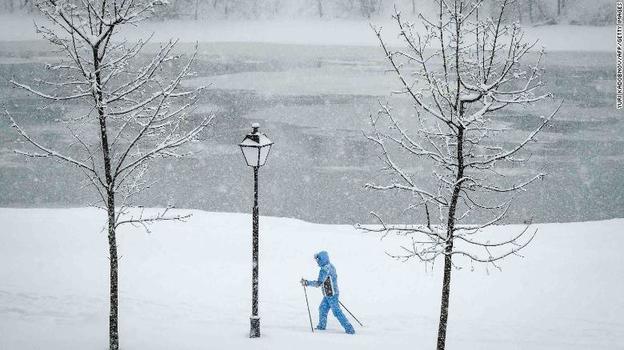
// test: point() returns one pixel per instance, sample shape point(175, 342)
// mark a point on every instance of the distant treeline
point(537, 12)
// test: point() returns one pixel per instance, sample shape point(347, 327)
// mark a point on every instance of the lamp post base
point(254, 331)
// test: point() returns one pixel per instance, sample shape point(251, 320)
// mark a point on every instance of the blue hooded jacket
point(327, 269)
point(328, 281)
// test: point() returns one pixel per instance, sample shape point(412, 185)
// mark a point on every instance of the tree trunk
point(413, 7)
point(542, 13)
point(113, 319)
point(364, 8)
point(255, 10)
point(319, 4)
point(444, 306)
point(448, 263)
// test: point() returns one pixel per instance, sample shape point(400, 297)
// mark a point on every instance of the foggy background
point(578, 12)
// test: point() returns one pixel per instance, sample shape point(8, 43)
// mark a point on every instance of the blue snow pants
point(332, 303)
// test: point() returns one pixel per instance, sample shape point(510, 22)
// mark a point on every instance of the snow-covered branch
point(47, 152)
point(144, 221)
point(459, 72)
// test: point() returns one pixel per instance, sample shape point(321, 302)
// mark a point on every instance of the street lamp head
point(255, 147)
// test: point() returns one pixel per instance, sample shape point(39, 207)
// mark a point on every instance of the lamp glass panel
point(264, 153)
point(251, 155)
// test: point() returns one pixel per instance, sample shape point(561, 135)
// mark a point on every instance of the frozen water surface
point(314, 103)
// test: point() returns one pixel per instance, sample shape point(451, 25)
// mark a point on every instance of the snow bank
point(312, 32)
point(187, 286)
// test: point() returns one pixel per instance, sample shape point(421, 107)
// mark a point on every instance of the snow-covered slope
point(187, 286)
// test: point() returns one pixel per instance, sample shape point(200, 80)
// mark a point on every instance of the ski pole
point(308, 305)
point(355, 318)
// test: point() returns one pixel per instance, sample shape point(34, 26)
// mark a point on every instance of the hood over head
point(322, 258)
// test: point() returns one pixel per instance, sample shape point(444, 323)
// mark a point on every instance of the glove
point(303, 282)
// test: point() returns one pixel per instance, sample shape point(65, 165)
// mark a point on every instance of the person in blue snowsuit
point(328, 280)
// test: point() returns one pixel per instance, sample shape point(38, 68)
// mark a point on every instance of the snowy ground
point(313, 32)
point(187, 286)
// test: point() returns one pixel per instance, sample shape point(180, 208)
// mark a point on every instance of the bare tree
point(370, 7)
point(460, 71)
point(560, 6)
point(137, 109)
point(196, 12)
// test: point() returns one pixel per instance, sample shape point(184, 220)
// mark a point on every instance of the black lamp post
point(255, 147)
